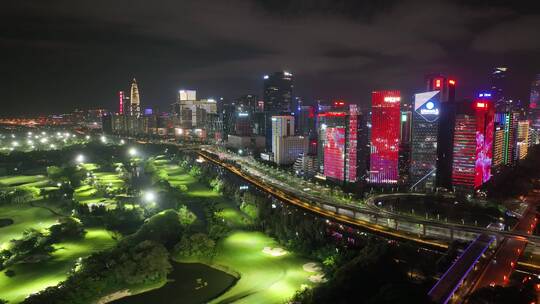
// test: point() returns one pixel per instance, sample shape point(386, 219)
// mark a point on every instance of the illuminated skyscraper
point(385, 133)
point(505, 127)
point(135, 102)
point(522, 144)
point(425, 134)
point(473, 144)
point(339, 152)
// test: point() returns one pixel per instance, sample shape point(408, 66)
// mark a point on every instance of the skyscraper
point(385, 134)
point(277, 95)
point(522, 144)
point(473, 144)
point(339, 155)
point(135, 102)
point(447, 88)
point(425, 136)
point(286, 147)
point(498, 81)
point(278, 89)
point(503, 150)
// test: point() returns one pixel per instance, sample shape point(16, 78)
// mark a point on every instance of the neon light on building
point(473, 145)
point(334, 153)
point(121, 104)
point(385, 133)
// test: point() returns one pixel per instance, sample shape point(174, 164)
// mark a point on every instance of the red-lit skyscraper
point(339, 152)
point(473, 144)
point(385, 133)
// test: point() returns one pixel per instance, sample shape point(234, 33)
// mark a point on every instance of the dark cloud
point(60, 54)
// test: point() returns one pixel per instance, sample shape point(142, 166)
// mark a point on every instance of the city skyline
point(52, 68)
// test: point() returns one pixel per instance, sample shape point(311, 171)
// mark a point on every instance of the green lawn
point(24, 217)
point(16, 180)
point(264, 278)
point(31, 278)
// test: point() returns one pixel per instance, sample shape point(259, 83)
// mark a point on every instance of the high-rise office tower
point(286, 147)
point(339, 152)
point(473, 144)
point(134, 101)
point(405, 143)
point(278, 89)
point(522, 143)
point(277, 96)
point(498, 80)
point(385, 134)
point(503, 149)
point(425, 135)
point(447, 88)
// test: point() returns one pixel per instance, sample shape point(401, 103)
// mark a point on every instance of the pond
point(190, 283)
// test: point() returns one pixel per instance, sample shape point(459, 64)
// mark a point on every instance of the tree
point(198, 245)
point(186, 216)
point(67, 228)
point(501, 295)
point(146, 262)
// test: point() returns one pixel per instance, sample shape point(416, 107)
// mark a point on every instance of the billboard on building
point(334, 153)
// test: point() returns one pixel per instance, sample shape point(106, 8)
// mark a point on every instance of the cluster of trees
point(141, 258)
point(515, 180)
point(21, 195)
point(372, 276)
point(503, 295)
point(35, 245)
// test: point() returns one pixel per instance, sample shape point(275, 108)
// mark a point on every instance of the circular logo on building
point(430, 105)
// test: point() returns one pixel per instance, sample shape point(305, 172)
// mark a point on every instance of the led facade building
point(504, 148)
point(425, 135)
point(522, 144)
point(473, 144)
point(385, 134)
point(340, 154)
point(121, 102)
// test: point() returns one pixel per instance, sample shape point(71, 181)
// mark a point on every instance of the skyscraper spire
point(135, 108)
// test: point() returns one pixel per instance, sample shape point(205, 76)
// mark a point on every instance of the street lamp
point(149, 196)
point(132, 152)
point(79, 158)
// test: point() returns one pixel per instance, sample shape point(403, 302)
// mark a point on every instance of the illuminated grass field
point(30, 278)
point(264, 278)
point(16, 180)
point(24, 217)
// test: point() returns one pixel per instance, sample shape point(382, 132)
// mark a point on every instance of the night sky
point(57, 55)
